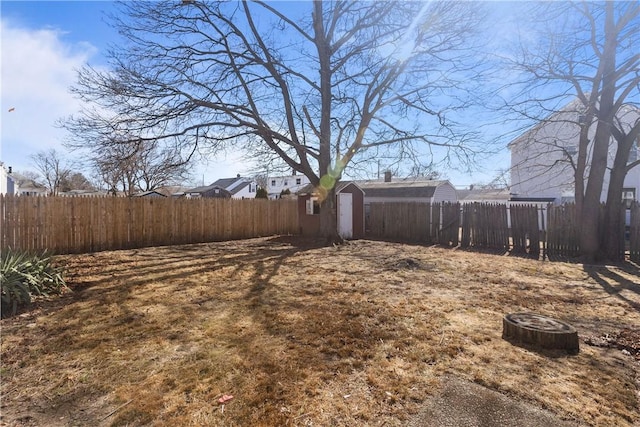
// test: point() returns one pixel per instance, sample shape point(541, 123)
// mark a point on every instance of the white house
point(6, 181)
point(239, 187)
point(14, 183)
point(542, 158)
point(277, 184)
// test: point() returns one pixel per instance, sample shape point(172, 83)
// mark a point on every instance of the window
point(298, 181)
point(313, 206)
point(252, 188)
point(273, 182)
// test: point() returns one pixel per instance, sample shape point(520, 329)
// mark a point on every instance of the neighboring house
point(84, 193)
point(151, 193)
point(407, 190)
point(236, 188)
point(482, 194)
point(277, 184)
point(542, 158)
point(209, 191)
point(239, 187)
point(6, 181)
point(22, 186)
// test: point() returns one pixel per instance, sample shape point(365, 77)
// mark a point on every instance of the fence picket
point(86, 224)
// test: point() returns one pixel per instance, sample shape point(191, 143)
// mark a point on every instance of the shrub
point(262, 194)
point(23, 275)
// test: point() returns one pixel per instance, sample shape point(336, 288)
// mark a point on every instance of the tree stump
point(541, 331)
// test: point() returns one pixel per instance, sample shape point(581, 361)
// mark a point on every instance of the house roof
point(149, 193)
point(488, 194)
point(238, 187)
point(203, 189)
point(417, 188)
point(227, 182)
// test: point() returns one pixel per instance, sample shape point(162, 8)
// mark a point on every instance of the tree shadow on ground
point(614, 283)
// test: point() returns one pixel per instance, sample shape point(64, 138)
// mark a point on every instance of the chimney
point(387, 176)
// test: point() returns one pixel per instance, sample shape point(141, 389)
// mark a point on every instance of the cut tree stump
point(541, 331)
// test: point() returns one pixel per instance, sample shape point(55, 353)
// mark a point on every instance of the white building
point(239, 187)
point(407, 190)
point(5, 180)
point(277, 184)
point(542, 158)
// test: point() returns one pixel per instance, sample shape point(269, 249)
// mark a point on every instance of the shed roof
point(418, 188)
point(311, 189)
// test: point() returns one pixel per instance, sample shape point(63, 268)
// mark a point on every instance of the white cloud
point(37, 71)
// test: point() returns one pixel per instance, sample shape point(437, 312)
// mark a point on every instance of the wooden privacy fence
point(415, 222)
point(533, 229)
point(634, 233)
point(88, 224)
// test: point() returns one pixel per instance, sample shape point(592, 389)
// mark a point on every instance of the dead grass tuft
point(301, 335)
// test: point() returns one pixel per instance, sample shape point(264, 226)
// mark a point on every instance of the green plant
point(262, 194)
point(23, 275)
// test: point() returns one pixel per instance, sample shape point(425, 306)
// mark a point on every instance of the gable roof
point(238, 187)
point(204, 189)
point(311, 189)
point(227, 182)
point(423, 189)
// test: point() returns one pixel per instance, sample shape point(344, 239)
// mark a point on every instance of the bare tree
point(318, 86)
point(52, 168)
point(590, 53)
point(130, 166)
point(75, 181)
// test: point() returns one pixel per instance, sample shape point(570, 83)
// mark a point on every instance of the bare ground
point(360, 334)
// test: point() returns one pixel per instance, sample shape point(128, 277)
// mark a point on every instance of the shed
point(349, 212)
point(424, 191)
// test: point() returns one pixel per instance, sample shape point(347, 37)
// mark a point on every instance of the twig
point(116, 410)
point(303, 415)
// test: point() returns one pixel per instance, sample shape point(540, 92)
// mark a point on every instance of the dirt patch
point(360, 334)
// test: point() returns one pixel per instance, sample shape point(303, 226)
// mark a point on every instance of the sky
point(44, 43)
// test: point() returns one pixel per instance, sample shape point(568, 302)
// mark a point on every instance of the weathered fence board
point(404, 221)
point(88, 224)
point(485, 226)
point(525, 229)
point(536, 230)
point(634, 233)
point(562, 232)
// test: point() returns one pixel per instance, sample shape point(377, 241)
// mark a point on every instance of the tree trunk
point(589, 216)
point(613, 241)
point(328, 220)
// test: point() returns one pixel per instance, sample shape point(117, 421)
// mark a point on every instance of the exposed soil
point(297, 334)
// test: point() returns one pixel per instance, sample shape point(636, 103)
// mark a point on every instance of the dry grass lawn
point(359, 334)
